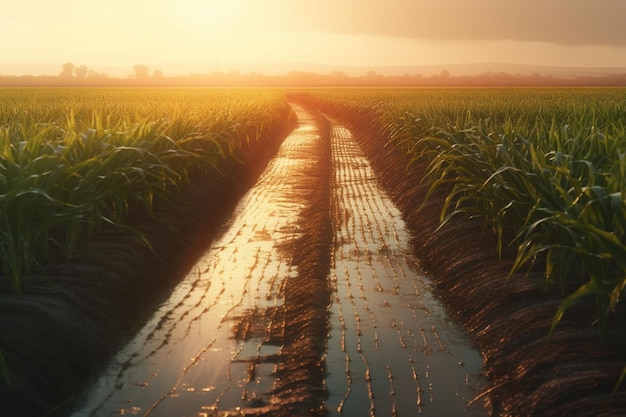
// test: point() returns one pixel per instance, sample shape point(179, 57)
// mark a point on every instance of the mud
point(571, 373)
point(213, 347)
point(392, 348)
point(316, 324)
point(73, 315)
point(310, 303)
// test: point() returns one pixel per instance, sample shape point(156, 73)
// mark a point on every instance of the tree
point(68, 70)
point(81, 72)
point(141, 71)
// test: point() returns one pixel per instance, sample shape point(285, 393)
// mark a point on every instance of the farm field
point(511, 201)
point(106, 197)
point(233, 312)
point(530, 253)
point(544, 169)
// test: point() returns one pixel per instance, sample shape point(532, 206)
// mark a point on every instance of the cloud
point(564, 22)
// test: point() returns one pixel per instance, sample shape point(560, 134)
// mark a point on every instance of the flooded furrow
point(244, 332)
point(392, 351)
point(212, 348)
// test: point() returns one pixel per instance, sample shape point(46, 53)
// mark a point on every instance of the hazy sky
point(159, 33)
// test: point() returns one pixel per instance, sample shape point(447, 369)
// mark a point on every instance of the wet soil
point(572, 372)
point(392, 350)
point(239, 334)
point(332, 315)
point(73, 315)
point(310, 303)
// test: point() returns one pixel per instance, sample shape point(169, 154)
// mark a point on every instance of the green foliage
point(71, 160)
point(545, 166)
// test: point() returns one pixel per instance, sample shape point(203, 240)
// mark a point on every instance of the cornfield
point(73, 160)
point(543, 168)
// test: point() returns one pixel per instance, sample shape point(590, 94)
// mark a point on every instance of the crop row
point(543, 168)
point(73, 160)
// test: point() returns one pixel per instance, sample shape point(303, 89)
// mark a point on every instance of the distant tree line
point(81, 71)
point(70, 70)
point(81, 75)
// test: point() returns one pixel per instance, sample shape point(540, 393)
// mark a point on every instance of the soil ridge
point(299, 389)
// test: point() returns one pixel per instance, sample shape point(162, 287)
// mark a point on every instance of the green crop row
point(72, 160)
point(543, 168)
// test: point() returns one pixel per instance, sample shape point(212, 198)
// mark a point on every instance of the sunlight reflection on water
point(392, 350)
point(187, 360)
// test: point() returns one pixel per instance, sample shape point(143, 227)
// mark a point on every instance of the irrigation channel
point(217, 346)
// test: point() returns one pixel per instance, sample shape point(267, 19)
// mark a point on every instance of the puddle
point(392, 350)
point(213, 344)
point(212, 349)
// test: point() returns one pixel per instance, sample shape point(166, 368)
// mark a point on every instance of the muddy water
point(212, 348)
point(213, 345)
point(392, 350)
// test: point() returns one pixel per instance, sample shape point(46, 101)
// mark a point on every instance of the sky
point(184, 36)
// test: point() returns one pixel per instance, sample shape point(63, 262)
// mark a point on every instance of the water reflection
point(392, 350)
point(213, 344)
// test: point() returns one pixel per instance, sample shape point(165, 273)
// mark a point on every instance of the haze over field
point(182, 36)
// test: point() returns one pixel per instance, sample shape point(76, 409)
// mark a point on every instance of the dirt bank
point(73, 316)
point(572, 373)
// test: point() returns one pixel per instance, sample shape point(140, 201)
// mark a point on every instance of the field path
point(225, 343)
point(392, 350)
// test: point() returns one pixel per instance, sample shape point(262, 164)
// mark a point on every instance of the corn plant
point(544, 165)
point(84, 158)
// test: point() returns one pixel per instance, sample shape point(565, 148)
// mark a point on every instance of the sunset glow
point(180, 36)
